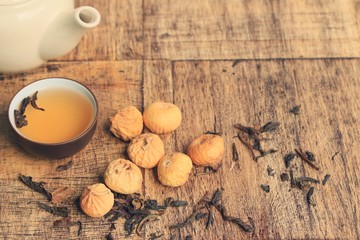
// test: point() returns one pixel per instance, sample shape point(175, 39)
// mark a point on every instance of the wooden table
point(222, 62)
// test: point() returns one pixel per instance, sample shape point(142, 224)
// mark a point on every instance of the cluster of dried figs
point(146, 150)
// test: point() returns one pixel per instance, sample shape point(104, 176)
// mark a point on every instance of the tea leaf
point(36, 186)
point(306, 179)
point(269, 127)
point(20, 118)
point(109, 236)
point(305, 159)
point(309, 196)
point(188, 221)
point(58, 211)
point(153, 236)
point(178, 203)
point(235, 153)
point(246, 227)
point(288, 158)
point(295, 110)
point(33, 102)
point(284, 177)
point(151, 217)
point(270, 171)
point(326, 178)
point(265, 187)
point(65, 166)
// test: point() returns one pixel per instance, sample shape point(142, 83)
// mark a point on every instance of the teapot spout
point(67, 30)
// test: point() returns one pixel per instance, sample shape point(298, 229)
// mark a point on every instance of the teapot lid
point(11, 2)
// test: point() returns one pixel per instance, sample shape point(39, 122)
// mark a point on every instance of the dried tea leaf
point(151, 217)
point(33, 102)
point(188, 221)
point(216, 197)
point(20, 118)
point(265, 153)
point(270, 171)
point(306, 179)
point(269, 127)
point(178, 203)
point(153, 236)
point(309, 196)
point(265, 187)
point(201, 215)
point(244, 226)
point(65, 166)
point(36, 186)
point(213, 133)
point(326, 178)
point(310, 156)
point(288, 158)
point(235, 153)
point(109, 236)
point(295, 110)
point(335, 154)
point(306, 160)
point(62, 194)
point(80, 227)
point(210, 219)
point(57, 211)
point(284, 177)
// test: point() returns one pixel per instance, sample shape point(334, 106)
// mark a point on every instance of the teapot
point(34, 31)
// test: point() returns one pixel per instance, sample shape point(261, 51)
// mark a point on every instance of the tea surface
point(67, 114)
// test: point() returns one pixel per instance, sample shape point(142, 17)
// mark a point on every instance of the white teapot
point(34, 31)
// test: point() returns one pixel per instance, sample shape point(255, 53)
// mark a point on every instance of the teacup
point(53, 117)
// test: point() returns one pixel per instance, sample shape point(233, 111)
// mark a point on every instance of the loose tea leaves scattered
point(205, 203)
point(58, 211)
point(36, 186)
point(137, 211)
point(251, 138)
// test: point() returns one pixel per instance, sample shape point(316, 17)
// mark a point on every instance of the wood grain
point(119, 35)
point(222, 62)
point(249, 29)
point(211, 94)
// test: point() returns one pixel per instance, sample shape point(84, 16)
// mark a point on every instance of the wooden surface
point(222, 62)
